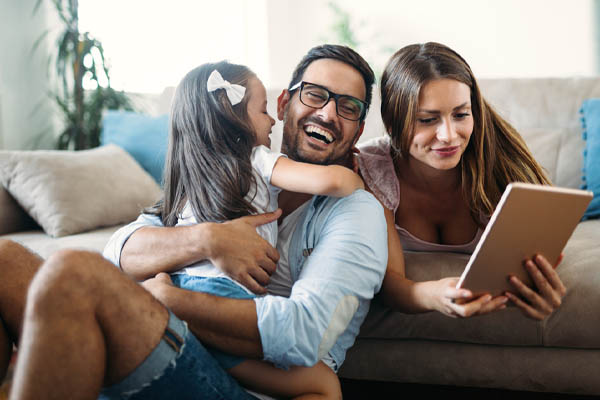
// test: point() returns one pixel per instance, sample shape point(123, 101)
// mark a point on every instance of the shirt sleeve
point(112, 250)
point(338, 279)
point(263, 160)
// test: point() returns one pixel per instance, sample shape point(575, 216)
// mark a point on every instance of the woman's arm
point(408, 296)
point(328, 180)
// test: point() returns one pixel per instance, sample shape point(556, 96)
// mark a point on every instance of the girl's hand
point(550, 289)
point(453, 302)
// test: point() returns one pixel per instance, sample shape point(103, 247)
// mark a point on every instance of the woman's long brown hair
point(496, 154)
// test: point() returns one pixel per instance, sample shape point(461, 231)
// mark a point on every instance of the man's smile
point(319, 133)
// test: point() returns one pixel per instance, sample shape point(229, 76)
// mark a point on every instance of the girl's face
point(444, 123)
point(257, 111)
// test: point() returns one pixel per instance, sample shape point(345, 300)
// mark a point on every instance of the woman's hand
point(550, 289)
point(447, 299)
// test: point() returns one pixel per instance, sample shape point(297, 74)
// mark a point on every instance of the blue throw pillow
point(142, 136)
point(590, 112)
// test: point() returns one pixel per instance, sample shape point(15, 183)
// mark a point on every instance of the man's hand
point(239, 251)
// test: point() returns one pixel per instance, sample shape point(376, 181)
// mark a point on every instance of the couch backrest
point(546, 112)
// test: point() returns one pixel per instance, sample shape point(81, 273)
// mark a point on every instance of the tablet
point(529, 219)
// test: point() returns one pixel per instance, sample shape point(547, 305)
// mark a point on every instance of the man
point(87, 326)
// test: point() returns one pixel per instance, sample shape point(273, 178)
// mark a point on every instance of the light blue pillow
point(143, 136)
point(590, 111)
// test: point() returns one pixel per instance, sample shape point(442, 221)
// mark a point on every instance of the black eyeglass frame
point(331, 95)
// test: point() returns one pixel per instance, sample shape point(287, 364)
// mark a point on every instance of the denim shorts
point(179, 367)
point(219, 287)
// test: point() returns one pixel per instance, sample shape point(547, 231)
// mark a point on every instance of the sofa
point(503, 350)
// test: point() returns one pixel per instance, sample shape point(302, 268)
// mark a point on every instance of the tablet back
point(528, 220)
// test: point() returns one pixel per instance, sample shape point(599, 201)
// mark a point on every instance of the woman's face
point(444, 123)
point(257, 112)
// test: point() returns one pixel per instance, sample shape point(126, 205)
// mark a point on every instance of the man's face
point(320, 136)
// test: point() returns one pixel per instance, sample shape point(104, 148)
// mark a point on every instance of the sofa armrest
point(12, 216)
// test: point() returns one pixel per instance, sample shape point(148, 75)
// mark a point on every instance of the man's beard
point(291, 140)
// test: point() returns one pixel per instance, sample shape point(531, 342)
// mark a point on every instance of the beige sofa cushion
point(68, 192)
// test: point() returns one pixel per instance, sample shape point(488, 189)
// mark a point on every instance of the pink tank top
point(377, 168)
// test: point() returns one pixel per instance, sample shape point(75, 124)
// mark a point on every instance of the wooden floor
point(365, 390)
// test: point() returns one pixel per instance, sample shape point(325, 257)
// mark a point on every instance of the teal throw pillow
point(590, 112)
point(143, 136)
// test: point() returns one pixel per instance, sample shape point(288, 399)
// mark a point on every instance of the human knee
point(67, 276)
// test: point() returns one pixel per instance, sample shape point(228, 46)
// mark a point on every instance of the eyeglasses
point(316, 96)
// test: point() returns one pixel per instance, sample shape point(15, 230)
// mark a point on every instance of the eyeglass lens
point(346, 106)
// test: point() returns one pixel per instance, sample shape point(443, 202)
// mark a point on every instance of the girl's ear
point(282, 102)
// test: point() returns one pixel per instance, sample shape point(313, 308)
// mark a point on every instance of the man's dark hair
point(341, 53)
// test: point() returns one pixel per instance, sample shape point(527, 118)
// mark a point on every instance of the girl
point(219, 168)
point(440, 173)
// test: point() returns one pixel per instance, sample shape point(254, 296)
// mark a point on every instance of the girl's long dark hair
point(210, 142)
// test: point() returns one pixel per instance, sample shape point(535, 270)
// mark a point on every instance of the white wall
point(25, 108)
point(499, 38)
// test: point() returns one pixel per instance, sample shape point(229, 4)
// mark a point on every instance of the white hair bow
point(235, 93)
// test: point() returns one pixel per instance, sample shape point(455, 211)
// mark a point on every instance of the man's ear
point(361, 127)
point(282, 102)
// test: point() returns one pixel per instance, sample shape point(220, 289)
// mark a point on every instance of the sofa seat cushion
point(575, 324)
point(45, 245)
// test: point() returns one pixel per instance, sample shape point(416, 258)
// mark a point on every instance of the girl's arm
point(328, 180)
point(408, 296)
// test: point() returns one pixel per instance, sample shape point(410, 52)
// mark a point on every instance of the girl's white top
point(263, 197)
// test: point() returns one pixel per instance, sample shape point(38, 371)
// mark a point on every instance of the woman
point(440, 173)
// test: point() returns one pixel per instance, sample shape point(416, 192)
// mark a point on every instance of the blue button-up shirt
point(337, 257)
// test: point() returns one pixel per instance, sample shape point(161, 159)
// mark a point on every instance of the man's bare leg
point(86, 325)
point(17, 268)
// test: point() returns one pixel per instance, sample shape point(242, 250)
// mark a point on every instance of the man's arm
point(144, 248)
point(228, 324)
point(343, 272)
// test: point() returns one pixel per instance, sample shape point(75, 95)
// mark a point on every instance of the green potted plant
point(79, 57)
